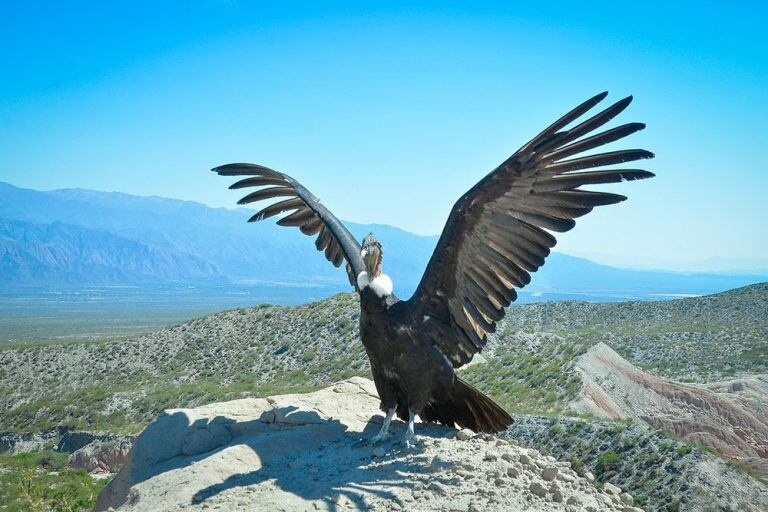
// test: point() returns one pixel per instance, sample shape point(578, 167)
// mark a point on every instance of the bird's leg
point(410, 437)
point(384, 432)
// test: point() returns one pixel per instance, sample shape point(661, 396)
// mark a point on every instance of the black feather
point(267, 193)
point(572, 181)
point(258, 181)
point(246, 170)
point(565, 120)
point(594, 141)
point(587, 162)
point(277, 208)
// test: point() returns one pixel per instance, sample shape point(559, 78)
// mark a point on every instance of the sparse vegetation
point(700, 339)
point(529, 373)
point(119, 385)
point(606, 461)
point(42, 482)
point(660, 472)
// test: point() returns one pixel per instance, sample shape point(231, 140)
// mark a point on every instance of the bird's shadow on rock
point(318, 460)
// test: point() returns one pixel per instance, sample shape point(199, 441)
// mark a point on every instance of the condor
point(497, 234)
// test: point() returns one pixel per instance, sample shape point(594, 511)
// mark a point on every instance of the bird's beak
point(372, 260)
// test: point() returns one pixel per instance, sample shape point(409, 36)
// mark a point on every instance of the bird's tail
point(467, 407)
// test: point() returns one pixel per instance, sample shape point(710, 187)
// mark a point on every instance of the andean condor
point(496, 235)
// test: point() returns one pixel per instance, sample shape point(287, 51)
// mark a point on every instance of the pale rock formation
point(732, 417)
point(306, 452)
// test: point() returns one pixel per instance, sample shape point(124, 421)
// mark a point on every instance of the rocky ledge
point(304, 452)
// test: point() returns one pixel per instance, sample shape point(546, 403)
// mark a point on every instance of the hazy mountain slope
point(406, 248)
point(568, 274)
point(241, 251)
point(265, 252)
point(217, 235)
point(59, 253)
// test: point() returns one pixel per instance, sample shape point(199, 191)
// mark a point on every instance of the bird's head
point(371, 254)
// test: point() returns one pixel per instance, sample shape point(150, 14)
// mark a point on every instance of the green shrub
point(42, 482)
point(607, 461)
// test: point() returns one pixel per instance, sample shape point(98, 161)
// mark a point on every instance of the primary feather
point(499, 224)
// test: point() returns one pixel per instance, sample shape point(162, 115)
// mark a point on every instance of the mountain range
point(74, 237)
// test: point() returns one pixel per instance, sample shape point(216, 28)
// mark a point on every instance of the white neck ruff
point(382, 284)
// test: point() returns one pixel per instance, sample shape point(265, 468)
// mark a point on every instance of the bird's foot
point(380, 437)
point(409, 440)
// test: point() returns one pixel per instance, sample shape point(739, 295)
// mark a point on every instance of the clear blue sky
point(389, 112)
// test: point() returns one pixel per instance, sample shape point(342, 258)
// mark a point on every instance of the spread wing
point(307, 213)
point(498, 232)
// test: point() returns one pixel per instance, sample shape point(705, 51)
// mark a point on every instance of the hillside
point(700, 339)
point(528, 362)
point(659, 471)
point(532, 365)
point(730, 418)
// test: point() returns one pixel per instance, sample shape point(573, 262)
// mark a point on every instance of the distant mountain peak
point(218, 241)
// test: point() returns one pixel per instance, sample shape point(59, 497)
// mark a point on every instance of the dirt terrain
point(728, 416)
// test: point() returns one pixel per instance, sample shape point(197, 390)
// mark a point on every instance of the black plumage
point(497, 234)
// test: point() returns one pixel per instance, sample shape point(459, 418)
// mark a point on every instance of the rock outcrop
point(101, 457)
point(730, 417)
point(304, 452)
point(96, 452)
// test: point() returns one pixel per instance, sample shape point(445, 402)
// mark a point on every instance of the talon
point(409, 439)
point(384, 432)
point(379, 438)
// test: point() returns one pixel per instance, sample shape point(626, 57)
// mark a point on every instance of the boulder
point(310, 452)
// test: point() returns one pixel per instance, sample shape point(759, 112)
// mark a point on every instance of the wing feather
point(297, 218)
point(257, 181)
point(277, 208)
point(498, 233)
point(306, 212)
point(267, 193)
point(573, 181)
